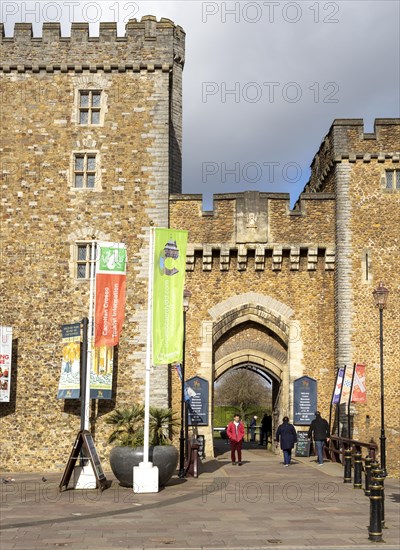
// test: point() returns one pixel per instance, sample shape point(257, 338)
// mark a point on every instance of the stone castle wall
point(43, 215)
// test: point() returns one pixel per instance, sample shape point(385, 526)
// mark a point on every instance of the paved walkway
point(259, 505)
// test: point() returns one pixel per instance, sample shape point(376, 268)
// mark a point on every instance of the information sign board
point(84, 442)
point(303, 444)
point(304, 400)
point(197, 390)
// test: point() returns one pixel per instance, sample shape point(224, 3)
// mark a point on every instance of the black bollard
point(380, 479)
point(368, 468)
point(357, 484)
point(375, 513)
point(347, 466)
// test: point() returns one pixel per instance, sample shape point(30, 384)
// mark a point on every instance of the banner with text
point(168, 283)
point(359, 393)
point(110, 293)
point(5, 363)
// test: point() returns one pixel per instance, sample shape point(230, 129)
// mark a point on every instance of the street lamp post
point(380, 296)
point(186, 299)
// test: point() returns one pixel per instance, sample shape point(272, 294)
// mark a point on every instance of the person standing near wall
point(319, 429)
point(253, 424)
point(286, 434)
point(235, 432)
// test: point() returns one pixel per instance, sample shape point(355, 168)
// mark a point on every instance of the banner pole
point(90, 335)
point(85, 322)
point(148, 349)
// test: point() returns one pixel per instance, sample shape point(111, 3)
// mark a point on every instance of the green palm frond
point(163, 424)
point(128, 426)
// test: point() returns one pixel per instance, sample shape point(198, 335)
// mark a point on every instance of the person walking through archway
point(286, 434)
point(235, 433)
point(266, 429)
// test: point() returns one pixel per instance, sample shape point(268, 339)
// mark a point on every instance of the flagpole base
point(145, 478)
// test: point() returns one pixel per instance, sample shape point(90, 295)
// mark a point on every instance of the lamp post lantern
point(380, 296)
point(186, 299)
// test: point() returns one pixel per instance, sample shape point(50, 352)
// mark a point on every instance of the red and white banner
point(359, 393)
point(110, 293)
point(5, 363)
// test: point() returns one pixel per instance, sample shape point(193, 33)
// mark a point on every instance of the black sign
point(197, 390)
point(71, 331)
point(84, 440)
point(303, 444)
point(304, 400)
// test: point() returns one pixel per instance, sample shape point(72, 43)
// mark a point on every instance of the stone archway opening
point(251, 331)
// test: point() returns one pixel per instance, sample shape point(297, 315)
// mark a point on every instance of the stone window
point(84, 259)
point(84, 170)
point(89, 107)
point(392, 179)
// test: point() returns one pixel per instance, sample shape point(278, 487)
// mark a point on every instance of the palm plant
point(163, 426)
point(128, 426)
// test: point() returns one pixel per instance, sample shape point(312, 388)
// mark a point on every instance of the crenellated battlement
point(347, 141)
point(255, 230)
point(147, 44)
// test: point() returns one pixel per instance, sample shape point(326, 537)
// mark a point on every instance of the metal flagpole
point(145, 476)
point(148, 349)
point(90, 334)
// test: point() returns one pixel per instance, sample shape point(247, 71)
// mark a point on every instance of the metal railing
point(336, 447)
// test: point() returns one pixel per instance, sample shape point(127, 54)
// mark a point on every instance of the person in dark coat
point(266, 428)
point(286, 434)
point(320, 430)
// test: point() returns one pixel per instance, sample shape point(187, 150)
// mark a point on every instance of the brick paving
point(256, 506)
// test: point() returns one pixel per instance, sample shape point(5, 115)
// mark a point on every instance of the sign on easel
point(84, 440)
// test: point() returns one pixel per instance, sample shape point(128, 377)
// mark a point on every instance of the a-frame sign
point(84, 440)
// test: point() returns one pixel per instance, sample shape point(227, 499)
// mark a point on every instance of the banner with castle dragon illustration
point(168, 283)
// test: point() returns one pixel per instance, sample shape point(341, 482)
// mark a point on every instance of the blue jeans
point(320, 444)
point(287, 455)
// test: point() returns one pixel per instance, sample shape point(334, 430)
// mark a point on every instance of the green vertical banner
point(168, 284)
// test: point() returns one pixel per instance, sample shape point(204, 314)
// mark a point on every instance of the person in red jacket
point(235, 433)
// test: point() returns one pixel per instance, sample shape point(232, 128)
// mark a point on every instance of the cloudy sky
point(263, 81)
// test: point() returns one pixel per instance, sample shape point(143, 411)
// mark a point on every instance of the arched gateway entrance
point(256, 331)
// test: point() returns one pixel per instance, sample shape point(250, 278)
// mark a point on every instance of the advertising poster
point(69, 385)
point(110, 293)
point(168, 284)
point(5, 363)
point(102, 373)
